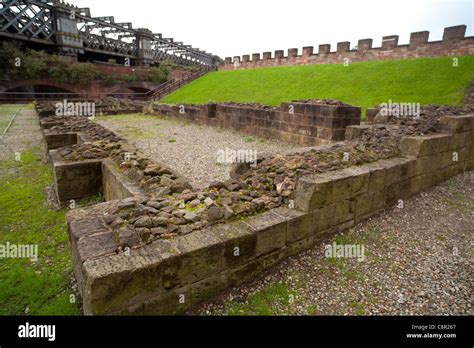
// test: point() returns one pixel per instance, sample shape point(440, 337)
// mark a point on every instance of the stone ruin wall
point(454, 43)
point(170, 275)
point(298, 122)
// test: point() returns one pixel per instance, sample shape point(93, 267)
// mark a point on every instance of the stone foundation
point(56, 140)
point(115, 185)
point(169, 276)
point(77, 179)
point(299, 122)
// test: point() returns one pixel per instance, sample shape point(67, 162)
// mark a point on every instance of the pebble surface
point(418, 261)
point(190, 149)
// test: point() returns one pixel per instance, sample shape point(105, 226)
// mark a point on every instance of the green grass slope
point(42, 287)
point(365, 84)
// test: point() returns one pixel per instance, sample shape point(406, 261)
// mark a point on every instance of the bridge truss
point(53, 22)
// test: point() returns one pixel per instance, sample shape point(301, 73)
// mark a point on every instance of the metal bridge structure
point(72, 31)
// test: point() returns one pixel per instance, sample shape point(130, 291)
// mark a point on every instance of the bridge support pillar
point(66, 34)
point(144, 51)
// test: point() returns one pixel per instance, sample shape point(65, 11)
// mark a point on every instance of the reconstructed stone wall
point(75, 180)
point(454, 43)
point(300, 122)
point(169, 276)
point(103, 106)
point(142, 253)
point(115, 185)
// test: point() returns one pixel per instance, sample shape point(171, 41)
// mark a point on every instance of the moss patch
point(42, 287)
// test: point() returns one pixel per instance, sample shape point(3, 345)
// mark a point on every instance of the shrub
point(38, 65)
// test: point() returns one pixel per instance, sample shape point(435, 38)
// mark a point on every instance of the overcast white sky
point(229, 28)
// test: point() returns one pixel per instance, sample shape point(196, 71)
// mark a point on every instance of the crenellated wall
point(454, 43)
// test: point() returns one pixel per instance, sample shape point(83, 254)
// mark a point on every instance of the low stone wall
point(168, 276)
point(300, 122)
point(56, 140)
point(75, 180)
point(115, 185)
point(454, 43)
point(102, 106)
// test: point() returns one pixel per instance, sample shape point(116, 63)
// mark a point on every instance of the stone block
point(299, 246)
point(363, 205)
point(380, 198)
point(361, 179)
point(279, 54)
point(457, 124)
point(208, 287)
point(115, 185)
point(308, 51)
point(271, 231)
point(267, 55)
point(426, 145)
point(419, 38)
point(377, 176)
point(324, 49)
point(344, 46)
point(370, 115)
point(292, 52)
point(458, 140)
point(389, 42)
point(364, 44)
point(454, 33)
point(323, 218)
point(313, 191)
point(200, 255)
point(424, 165)
point(299, 224)
point(239, 243)
point(55, 140)
point(342, 184)
point(96, 246)
point(118, 281)
point(469, 138)
point(345, 211)
point(355, 132)
point(75, 180)
point(446, 159)
point(170, 303)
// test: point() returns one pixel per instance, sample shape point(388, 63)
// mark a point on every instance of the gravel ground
point(418, 261)
point(189, 149)
point(24, 133)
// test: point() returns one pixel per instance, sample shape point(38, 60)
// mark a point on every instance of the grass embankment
point(27, 287)
point(365, 84)
point(6, 113)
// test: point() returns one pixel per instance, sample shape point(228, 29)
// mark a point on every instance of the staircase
point(172, 85)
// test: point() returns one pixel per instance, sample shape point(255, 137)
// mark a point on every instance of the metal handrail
point(158, 93)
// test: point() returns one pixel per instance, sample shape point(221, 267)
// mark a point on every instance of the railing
point(158, 93)
point(172, 85)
